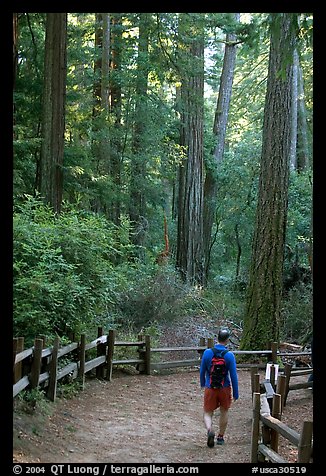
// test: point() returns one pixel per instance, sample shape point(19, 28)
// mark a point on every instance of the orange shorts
point(217, 397)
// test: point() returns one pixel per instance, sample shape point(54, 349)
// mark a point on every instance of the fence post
point(141, 350)
point(253, 371)
point(82, 358)
point(266, 431)
point(266, 435)
point(52, 388)
point(276, 413)
point(19, 367)
point(272, 376)
point(36, 363)
point(255, 427)
point(255, 385)
point(71, 336)
point(44, 361)
point(109, 359)
point(147, 355)
point(101, 349)
point(274, 352)
point(280, 389)
point(43, 337)
point(210, 342)
point(202, 341)
point(287, 371)
point(304, 447)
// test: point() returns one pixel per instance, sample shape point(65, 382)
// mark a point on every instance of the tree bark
point(190, 251)
point(137, 210)
point(263, 306)
point(98, 64)
point(53, 123)
point(15, 47)
point(105, 63)
point(104, 142)
point(294, 113)
point(115, 109)
point(219, 130)
point(101, 107)
point(15, 66)
point(303, 147)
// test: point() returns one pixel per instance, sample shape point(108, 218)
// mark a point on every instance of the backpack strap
point(219, 352)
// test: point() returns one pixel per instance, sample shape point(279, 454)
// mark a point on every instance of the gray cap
point(223, 334)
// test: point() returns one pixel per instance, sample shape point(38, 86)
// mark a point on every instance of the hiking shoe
point(210, 439)
point(220, 440)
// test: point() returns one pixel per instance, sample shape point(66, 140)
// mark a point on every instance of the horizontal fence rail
point(290, 373)
point(268, 404)
point(264, 446)
point(45, 366)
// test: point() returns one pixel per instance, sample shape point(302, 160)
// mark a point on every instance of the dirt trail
point(142, 419)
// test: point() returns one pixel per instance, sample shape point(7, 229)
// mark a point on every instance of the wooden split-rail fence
point(41, 366)
point(268, 404)
point(46, 366)
point(290, 372)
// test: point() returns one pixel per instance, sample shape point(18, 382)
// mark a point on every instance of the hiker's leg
point(210, 404)
point(225, 403)
point(208, 420)
point(224, 415)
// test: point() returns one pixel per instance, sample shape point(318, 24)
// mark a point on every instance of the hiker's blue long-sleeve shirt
point(231, 377)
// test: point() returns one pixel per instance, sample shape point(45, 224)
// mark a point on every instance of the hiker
point(218, 397)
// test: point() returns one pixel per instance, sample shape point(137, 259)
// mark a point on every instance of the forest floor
point(145, 419)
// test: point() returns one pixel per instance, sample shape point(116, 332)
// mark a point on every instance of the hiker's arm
point(202, 371)
point(234, 377)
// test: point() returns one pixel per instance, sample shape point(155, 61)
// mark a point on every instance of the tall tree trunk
point(294, 113)
point(97, 94)
point(15, 64)
point(98, 64)
point(105, 64)
point(176, 180)
point(53, 120)
point(219, 130)
point(237, 238)
point(190, 252)
point(101, 109)
point(104, 143)
point(15, 47)
point(303, 147)
point(137, 210)
point(263, 306)
point(115, 108)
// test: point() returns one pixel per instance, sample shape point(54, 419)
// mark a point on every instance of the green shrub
point(158, 297)
point(64, 276)
point(33, 400)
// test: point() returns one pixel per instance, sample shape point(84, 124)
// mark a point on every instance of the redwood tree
point(190, 251)
point(263, 307)
point(115, 110)
point(303, 143)
point(14, 44)
point(137, 208)
point(53, 120)
point(219, 130)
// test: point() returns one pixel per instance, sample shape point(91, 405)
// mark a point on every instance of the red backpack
point(218, 369)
